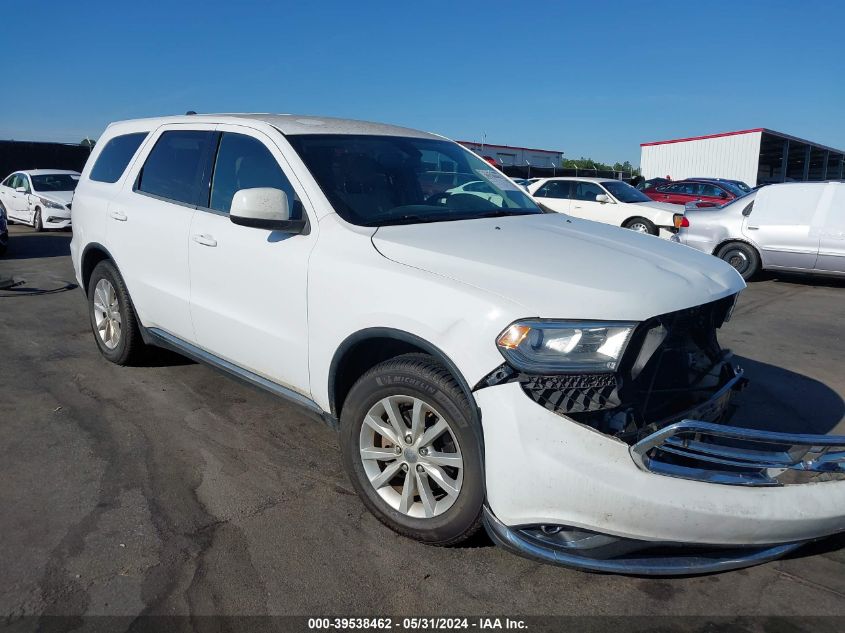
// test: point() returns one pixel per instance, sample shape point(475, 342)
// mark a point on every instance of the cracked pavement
point(172, 489)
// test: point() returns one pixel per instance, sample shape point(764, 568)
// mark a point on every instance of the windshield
point(380, 180)
point(624, 192)
point(55, 182)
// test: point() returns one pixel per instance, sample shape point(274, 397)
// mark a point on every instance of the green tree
point(590, 164)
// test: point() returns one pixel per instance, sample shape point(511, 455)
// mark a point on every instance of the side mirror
point(264, 208)
point(603, 198)
point(20, 189)
point(723, 195)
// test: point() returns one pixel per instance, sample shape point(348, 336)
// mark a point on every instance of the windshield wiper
point(450, 217)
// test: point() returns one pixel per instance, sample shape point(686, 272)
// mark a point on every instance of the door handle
point(752, 228)
point(205, 240)
point(118, 215)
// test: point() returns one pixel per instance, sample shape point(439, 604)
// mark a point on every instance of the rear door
point(149, 220)
point(832, 222)
point(555, 195)
point(781, 224)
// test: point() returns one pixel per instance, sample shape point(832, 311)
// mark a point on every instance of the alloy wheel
point(639, 227)
point(107, 313)
point(411, 456)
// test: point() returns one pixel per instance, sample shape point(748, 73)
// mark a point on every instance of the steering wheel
point(438, 198)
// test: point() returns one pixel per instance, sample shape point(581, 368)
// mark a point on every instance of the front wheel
point(743, 257)
point(641, 225)
point(412, 450)
point(37, 223)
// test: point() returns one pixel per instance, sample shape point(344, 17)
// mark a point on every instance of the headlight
point(50, 204)
point(556, 347)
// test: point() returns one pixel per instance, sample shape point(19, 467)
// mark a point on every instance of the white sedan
point(39, 197)
point(608, 201)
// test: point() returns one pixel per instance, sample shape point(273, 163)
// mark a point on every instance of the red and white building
point(754, 156)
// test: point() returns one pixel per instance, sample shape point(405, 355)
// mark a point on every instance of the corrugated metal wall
point(735, 157)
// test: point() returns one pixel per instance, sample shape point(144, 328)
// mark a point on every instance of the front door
point(249, 285)
point(584, 203)
point(17, 202)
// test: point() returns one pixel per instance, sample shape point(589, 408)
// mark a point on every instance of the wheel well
point(636, 217)
point(357, 359)
point(367, 348)
point(92, 256)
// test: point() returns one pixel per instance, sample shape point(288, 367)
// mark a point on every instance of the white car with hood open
point(555, 380)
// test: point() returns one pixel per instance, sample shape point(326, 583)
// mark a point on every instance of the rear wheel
point(641, 225)
point(412, 450)
point(112, 316)
point(743, 257)
point(37, 224)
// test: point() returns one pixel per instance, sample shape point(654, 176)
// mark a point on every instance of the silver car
point(792, 226)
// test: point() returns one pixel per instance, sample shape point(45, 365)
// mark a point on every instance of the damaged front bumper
point(638, 471)
point(693, 496)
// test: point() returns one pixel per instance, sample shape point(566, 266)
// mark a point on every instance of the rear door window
point(175, 165)
point(112, 161)
point(554, 189)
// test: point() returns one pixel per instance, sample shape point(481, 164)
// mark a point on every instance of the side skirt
point(160, 338)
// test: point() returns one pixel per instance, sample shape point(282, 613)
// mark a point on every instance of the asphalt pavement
point(172, 489)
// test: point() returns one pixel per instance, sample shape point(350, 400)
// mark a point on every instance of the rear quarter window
point(112, 161)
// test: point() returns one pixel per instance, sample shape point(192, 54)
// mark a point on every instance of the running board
point(160, 338)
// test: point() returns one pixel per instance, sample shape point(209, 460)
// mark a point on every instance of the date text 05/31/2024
point(416, 624)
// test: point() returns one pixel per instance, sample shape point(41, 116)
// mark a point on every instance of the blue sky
point(588, 78)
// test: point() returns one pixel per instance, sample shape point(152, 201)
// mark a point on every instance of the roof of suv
point(299, 124)
point(581, 178)
point(44, 172)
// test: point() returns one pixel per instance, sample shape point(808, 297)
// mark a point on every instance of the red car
point(709, 193)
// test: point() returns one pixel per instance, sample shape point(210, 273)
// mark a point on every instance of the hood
point(56, 196)
point(561, 267)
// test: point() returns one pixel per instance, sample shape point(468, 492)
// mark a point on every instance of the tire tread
point(436, 372)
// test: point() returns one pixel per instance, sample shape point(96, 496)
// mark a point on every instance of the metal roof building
point(754, 156)
point(512, 156)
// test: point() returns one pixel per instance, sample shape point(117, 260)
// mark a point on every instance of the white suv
point(556, 380)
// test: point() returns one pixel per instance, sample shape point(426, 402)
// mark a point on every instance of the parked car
point(557, 380)
point(608, 201)
point(39, 197)
point(4, 232)
point(737, 186)
point(651, 183)
point(794, 226)
point(683, 191)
